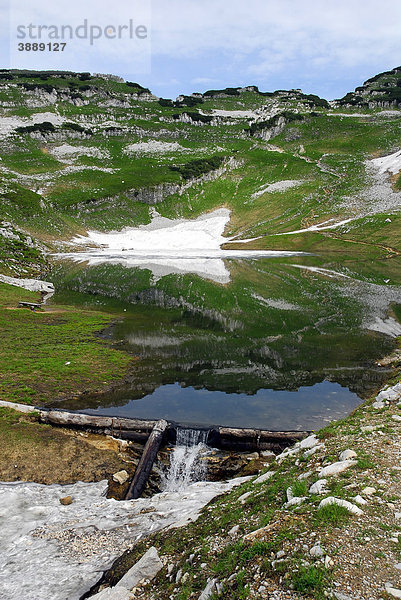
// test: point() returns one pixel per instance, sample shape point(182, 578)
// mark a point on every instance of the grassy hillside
point(80, 152)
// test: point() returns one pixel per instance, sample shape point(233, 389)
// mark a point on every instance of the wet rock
point(121, 477)
point(66, 500)
point(267, 455)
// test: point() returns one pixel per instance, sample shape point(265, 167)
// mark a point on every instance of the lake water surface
point(280, 343)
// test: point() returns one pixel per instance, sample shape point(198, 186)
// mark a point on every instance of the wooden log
point(145, 464)
point(84, 421)
point(232, 438)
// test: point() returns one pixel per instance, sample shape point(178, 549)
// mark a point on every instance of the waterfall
point(186, 464)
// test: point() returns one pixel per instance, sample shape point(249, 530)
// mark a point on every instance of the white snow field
point(53, 552)
point(170, 246)
point(390, 163)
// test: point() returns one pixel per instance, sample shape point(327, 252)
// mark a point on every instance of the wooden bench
point(30, 305)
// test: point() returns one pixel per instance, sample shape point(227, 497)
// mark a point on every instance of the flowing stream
point(186, 464)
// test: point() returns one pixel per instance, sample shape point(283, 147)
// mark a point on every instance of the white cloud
point(278, 31)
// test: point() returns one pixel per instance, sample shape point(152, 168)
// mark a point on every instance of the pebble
point(396, 418)
point(66, 500)
point(359, 500)
point(316, 551)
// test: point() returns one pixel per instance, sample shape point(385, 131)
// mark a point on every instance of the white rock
point(308, 442)
point(304, 475)
point(234, 530)
point(368, 428)
point(289, 494)
point(369, 491)
point(267, 454)
point(396, 418)
point(397, 515)
point(287, 452)
point(146, 568)
point(352, 508)
point(295, 501)
point(115, 593)
point(184, 578)
point(244, 497)
point(328, 562)
point(378, 405)
point(316, 551)
point(121, 476)
point(280, 554)
point(264, 477)
point(335, 468)
point(392, 591)
point(319, 487)
point(347, 454)
point(208, 591)
point(398, 566)
point(359, 500)
point(178, 576)
point(313, 450)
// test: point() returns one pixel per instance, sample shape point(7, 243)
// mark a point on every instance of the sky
point(320, 46)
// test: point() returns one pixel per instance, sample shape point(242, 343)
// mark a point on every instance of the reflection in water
point(306, 409)
point(248, 353)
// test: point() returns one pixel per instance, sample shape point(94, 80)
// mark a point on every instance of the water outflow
point(186, 464)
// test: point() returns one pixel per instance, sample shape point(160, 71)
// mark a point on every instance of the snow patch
point(170, 246)
point(388, 326)
point(390, 163)
point(43, 553)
